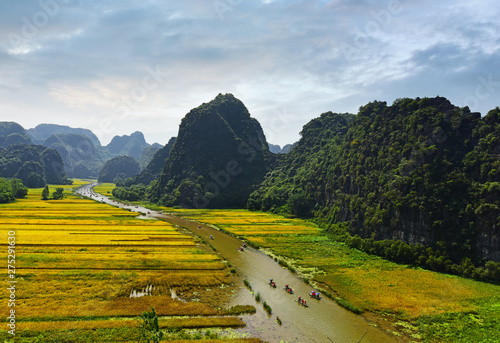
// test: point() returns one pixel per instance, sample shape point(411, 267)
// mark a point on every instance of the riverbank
point(411, 303)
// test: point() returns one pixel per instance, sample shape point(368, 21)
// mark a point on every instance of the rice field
point(444, 308)
point(85, 271)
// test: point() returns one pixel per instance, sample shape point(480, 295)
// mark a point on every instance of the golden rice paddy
point(86, 266)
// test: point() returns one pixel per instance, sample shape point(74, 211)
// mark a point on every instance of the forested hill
point(421, 171)
point(12, 133)
point(155, 166)
point(35, 165)
point(219, 156)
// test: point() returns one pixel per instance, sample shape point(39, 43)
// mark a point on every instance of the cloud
point(288, 61)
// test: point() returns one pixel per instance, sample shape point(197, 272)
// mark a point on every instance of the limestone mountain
point(132, 145)
point(119, 167)
point(219, 156)
point(155, 166)
point(81, 157)
point(40, 133)
point(147, 155)
point(421, 171)
point(13, 133)
point(276, 149)
point(35, 165)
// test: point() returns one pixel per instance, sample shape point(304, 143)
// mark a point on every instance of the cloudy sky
point(117, 66)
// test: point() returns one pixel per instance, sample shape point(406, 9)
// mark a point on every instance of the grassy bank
point(434, 307)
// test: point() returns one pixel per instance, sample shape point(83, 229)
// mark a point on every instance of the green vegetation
point(153, 170)
point(420, 303)
point(58, 194)
point(421, 171)
point(132, 145)
point(219, 155)
point(82, 158)
point(41, 132)
point(147, 155)
point(120, 167)
point(12, 133)
point(45, 193)
point(149, 329)
point(35, 165)
point(11, 190)
point(267, 308)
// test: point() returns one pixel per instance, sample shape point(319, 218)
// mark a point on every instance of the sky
point(120, 66)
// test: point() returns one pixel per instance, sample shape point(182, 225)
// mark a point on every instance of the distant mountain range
point(82, 152)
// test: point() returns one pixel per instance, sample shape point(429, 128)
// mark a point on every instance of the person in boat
point(299, 299)
point(286, 287)
point(211, 237)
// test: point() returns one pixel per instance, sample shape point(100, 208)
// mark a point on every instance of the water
point(323, 321)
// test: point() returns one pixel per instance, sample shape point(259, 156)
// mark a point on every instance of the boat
point(303, 303)
point(315, 295)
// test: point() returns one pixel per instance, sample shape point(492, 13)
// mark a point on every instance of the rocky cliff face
point(220, 154)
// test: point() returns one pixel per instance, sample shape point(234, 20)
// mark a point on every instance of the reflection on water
point(144, 292)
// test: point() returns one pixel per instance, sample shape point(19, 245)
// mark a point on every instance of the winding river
point(322, 321)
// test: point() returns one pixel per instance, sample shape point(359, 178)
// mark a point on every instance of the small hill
point(13, 133)
point(41, 132)
point(35, 165)
point(219, 156)
point(121, 166)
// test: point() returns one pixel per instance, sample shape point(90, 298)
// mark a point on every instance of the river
point(322, 321)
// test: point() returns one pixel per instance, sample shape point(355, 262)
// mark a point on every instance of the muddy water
point(323, 321)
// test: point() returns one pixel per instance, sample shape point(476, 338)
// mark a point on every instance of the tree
point(45, 193)
point(58, 194)
point(19, 190)
point(149, 329)
point(5, 191)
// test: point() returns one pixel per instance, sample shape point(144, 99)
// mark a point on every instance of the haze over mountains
point(421, 171)
point(80, 149)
